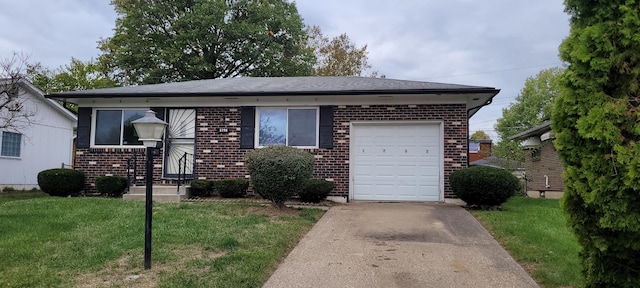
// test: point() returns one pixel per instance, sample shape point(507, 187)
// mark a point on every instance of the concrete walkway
point(399, 245)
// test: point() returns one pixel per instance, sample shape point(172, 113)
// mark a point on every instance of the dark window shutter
point(160, 115)
point(247, 127)
point(84, 127)
point(326, 127)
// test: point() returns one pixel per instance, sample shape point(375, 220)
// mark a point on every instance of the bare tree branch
point(15, 112)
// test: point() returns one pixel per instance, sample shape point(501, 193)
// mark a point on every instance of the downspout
point(468, 110)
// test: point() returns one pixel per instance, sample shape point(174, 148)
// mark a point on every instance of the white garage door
point(399, 162)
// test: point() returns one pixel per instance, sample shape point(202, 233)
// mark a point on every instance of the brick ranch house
point(377, 139)
point(543, 167)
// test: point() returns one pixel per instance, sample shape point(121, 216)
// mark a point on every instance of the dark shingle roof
point(533, 131)
point(494, 161)
point(254, 86)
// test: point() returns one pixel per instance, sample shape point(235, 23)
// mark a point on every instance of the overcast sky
point(495, 43)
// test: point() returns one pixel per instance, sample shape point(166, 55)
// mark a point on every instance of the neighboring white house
point(47, 142)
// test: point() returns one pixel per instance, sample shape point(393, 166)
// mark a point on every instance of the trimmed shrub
point(112, 186)
point(316, 190)
point(232, 188)
point(484, 186)
point(8, 189)
point(61, 182)
point(201, 188)
point(279, 172)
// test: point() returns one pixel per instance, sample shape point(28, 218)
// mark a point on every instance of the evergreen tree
point(597, 125)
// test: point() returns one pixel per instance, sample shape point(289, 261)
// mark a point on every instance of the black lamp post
point(150, 130)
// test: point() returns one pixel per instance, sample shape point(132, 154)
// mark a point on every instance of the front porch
point(161, 193)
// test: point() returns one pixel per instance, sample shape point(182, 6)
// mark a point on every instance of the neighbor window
point(535, 154)
point(474, 147)
point(113, 127)
point(11, 144)
point(288, 126)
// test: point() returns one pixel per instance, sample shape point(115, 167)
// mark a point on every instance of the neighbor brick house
point(377, 139)
point(479, 149)
point(543, 167)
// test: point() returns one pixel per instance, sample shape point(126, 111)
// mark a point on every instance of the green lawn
point(98, 242)
point(20, 195)
point(535, 233)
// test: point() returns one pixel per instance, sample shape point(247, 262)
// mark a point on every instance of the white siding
point(46, 144)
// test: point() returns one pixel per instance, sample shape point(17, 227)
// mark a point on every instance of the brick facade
point(485, 151)
point(218, 154)
point(544, 162)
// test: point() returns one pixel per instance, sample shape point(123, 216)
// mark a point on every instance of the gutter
point(469, 110)
point(132, 94)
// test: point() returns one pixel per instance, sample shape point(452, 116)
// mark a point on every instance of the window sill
point(298, 147)
point(11, 157)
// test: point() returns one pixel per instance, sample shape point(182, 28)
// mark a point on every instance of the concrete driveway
point(399, 245)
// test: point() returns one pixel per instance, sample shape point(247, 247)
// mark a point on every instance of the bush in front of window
point(316, 190)
point(61, 182)
point(279, 172)
point(201, 188)
point(484, 187)
point(231, 188)
point(111, 186)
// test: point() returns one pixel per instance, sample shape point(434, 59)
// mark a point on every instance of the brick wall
point(548, 164)
point(218, 155)
point(97, 162)
point(485, 151)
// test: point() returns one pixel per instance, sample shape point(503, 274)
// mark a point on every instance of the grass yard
point(98, 242)
point(535, 233)
point(21, 195)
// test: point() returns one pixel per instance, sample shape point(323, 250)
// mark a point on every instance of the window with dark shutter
point(326, 127)
point(84, 127)
point(247, 127)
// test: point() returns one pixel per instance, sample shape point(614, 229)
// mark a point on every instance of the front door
point(180, 143)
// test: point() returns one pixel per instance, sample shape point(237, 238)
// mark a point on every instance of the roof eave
point(536, 130)
point(89, 94)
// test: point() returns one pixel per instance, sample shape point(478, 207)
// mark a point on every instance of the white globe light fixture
point(150, 130)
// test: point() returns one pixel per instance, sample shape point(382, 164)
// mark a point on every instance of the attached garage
point(396, 161)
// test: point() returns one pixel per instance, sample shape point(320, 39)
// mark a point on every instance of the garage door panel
point(396, 162)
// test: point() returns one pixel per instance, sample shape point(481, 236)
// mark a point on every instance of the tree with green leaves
point(532, 107)
point(479, 135)
point(168, 41)
point(338, 56)
point(76, 76)
point(596, 119)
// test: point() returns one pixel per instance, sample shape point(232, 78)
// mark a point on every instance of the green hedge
point(112, 186)
point(316, 190)
point(279, 172)
point(484, 186)
point(201, 188)
point(231, 188)
point(61, 182)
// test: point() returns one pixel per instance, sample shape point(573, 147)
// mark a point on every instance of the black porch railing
point(132, 169)
point(182, 169)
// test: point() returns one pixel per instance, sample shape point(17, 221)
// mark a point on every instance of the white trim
point(93, 129)
point(256, 138)
point(392, 123)
point(19, 157)
point(40, 94)
point(279, 101)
